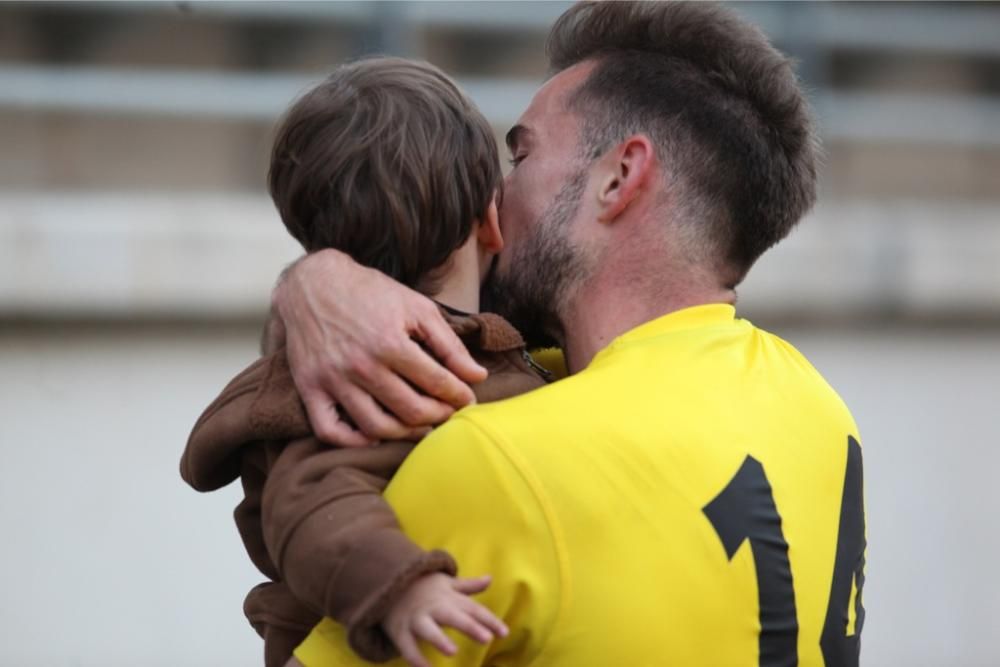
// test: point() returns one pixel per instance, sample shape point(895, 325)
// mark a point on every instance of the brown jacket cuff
point(364, 629)
point(272, 605)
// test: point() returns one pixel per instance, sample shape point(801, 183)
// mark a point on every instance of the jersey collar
point(695, 317)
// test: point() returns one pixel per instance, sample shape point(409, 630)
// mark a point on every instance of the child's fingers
point(408, 648)
point(473, 585)
point(426, 628)
point(465, 623)
point(486, 617)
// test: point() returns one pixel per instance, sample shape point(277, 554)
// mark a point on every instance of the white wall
point(927, 405)
point(109, 559)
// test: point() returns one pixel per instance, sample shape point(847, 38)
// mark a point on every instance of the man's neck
point(600, 313)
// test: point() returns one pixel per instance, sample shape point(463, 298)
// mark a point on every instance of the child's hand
point(435, 600)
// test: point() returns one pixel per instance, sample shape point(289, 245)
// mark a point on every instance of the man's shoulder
point(539, 405)
point(813, 388)
point(543, 419)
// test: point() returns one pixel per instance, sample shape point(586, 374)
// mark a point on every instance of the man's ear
point(488, 234)
point(629, 166)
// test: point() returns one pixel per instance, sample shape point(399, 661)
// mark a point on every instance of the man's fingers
point(408, 648)
point(427, 374)
point(349, 326)
point(427, 629)
point(441, 340)
point(472, 585)
point(327, 424)
point(369, 415)
point(402, 400)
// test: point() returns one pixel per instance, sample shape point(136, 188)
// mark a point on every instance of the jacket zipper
point(545, 373)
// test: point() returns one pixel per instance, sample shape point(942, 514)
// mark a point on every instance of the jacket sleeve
point(336, 542)
point(212, 456)
point(466, 490)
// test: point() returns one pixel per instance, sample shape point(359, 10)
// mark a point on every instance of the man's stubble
point(544, 270)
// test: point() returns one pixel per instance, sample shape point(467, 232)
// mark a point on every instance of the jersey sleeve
point(464, 490)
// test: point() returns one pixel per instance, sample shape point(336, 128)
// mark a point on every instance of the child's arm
point(335, 541)
point(437, 600)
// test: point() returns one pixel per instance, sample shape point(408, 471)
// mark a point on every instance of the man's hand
point(356, 339)
point(435, 600)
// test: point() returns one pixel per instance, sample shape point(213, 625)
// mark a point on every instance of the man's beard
point(543, 271)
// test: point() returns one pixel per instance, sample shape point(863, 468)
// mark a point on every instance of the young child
point(389, 162)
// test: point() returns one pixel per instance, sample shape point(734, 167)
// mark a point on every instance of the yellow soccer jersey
point(693, 497)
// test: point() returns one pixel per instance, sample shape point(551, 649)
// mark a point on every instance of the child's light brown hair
point(387, 161)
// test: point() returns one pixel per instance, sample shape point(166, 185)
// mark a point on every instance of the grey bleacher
point(907, 99)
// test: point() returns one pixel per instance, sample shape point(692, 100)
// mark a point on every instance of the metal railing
point(854, 116)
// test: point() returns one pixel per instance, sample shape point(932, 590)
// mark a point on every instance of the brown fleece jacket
point(313, 519)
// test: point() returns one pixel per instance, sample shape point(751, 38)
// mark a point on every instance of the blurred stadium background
point(138, 248)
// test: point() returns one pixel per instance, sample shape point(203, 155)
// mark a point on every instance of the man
point(691, 495)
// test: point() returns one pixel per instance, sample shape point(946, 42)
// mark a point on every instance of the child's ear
point(489, 236)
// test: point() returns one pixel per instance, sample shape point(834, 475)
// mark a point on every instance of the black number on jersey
point(745, 510)
point(838, 647)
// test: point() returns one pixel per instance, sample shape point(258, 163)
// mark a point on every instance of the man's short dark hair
point(721, 105)
point(387, 161)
